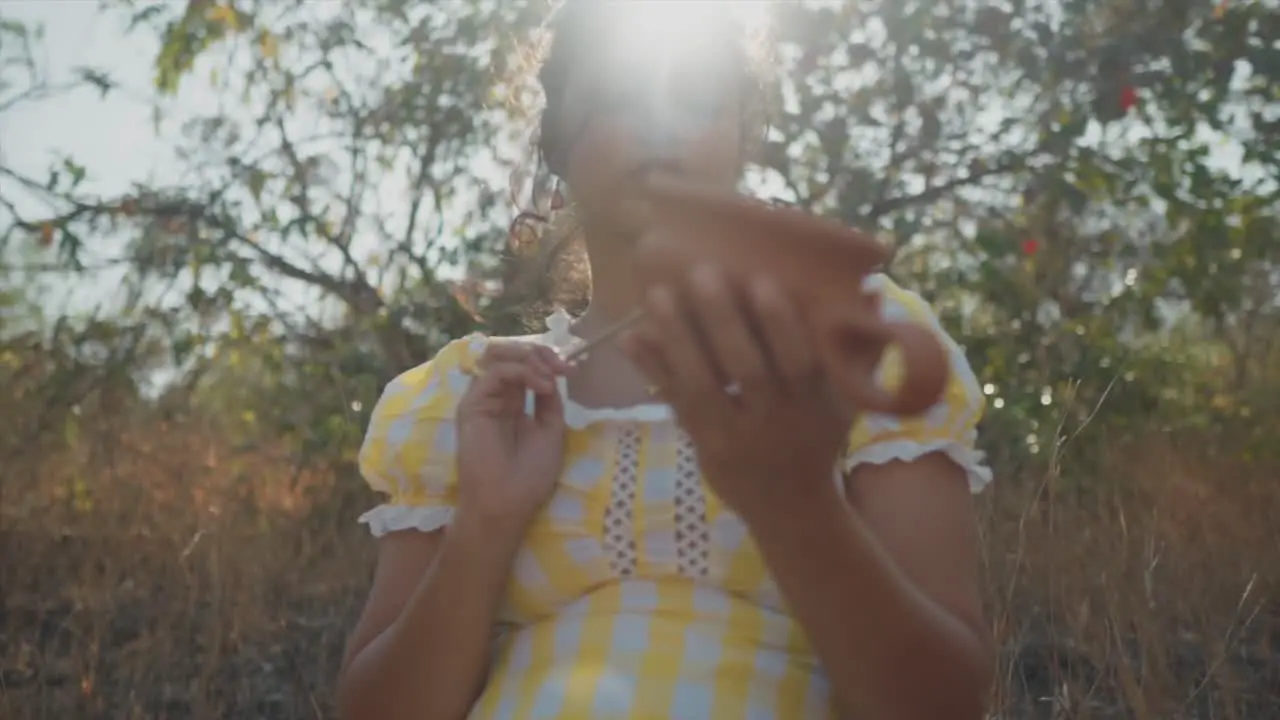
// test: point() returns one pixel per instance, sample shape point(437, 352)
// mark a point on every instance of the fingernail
point(544, 366)
point(541, 365)
point(554, 361)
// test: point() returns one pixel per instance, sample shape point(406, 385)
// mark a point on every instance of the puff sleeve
point(409, 451)
point(950, 426)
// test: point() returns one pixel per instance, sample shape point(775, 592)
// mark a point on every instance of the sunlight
point(668, 56)
point(656, 32)
point(663, 20)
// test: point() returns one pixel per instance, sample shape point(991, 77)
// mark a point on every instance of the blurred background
point(225, 224)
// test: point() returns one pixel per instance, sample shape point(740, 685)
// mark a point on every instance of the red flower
point(1030, 247)
point(1128, 97)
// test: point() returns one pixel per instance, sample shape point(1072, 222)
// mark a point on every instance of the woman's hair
point(550, 268)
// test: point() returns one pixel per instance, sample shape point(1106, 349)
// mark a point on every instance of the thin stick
point(580, 352)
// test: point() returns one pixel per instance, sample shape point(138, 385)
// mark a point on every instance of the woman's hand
point(740, 370)
point(508, 461)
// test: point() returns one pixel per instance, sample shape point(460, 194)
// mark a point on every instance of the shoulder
point(950, 426)
point(434, 387)
point(899, 303)
point(902, 305)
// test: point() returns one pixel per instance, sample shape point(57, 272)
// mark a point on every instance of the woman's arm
point(888, 590)
point(421, 647)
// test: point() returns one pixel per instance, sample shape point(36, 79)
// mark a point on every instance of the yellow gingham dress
point(637, 594)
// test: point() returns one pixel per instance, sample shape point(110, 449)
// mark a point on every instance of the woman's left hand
point(740, 369)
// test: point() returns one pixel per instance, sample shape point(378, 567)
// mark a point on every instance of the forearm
point(891, 653)
point(432, 661)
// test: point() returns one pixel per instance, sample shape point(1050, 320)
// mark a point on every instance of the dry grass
point(1152, 598)
point(202, 583)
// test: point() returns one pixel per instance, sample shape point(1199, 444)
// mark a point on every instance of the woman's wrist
point(796, 520)
point(796, 500)
point(491, 541)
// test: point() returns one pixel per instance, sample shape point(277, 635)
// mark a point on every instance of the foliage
point(1086, 190)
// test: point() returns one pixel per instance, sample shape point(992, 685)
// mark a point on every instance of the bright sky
point(113, 137)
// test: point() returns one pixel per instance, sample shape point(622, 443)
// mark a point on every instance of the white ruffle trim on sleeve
point(973, 461)
point(392, 518)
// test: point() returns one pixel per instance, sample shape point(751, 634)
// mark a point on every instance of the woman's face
point(619, 132)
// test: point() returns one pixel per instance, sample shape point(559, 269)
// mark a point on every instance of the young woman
point(743, 549)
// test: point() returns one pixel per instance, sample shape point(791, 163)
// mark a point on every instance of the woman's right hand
point(508, 461)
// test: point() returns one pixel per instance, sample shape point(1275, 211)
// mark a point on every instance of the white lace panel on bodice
point(619, 537)
point(692, 534)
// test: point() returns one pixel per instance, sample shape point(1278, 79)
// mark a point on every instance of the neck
point(615, 292)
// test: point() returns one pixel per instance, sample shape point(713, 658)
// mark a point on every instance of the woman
point(581, 560)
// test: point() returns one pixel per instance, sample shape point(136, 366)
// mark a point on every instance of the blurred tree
point(1086, 190)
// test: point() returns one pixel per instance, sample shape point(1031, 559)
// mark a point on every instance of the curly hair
point(551, 267)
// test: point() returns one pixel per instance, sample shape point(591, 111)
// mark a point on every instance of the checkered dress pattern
point(637, 593)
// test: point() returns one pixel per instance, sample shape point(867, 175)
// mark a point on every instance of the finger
point(677, 343)
point(541, 356)
point(791, 352)
point(499, 377)
point(504, 350)
point(642, 349)
point(498, 351)
point(733, 344)
point(551, 358)
point(874, 302)
point(548, 409)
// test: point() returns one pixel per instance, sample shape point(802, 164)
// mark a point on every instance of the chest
point(633, 505)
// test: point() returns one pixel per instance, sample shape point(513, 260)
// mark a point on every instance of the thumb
point(548, 409)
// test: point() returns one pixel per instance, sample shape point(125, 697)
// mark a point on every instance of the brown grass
point(184, 579)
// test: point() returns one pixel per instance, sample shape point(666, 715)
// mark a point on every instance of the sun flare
point(653, 29)
point(664, 16)
point(669, 65)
